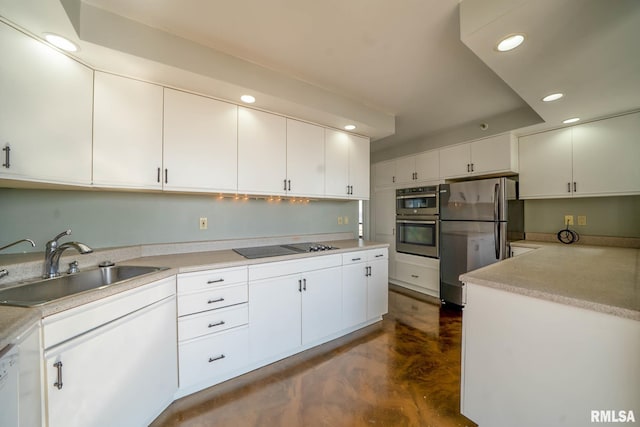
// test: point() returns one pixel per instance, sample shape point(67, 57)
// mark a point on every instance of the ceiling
point(401, 71)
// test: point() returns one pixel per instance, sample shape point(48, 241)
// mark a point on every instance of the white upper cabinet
point(262, 152)
point(593, 159)
point(127, 133)
point(384, 174)
point(421, 167)
point(347, 165)
point(200, 150)
point(496, 154)
point(305, 159)
point(45, 119)
point(606, 156)
point(546, 164)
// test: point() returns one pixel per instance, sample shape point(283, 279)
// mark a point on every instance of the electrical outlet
point(582, 220)
point(346, 219)
point(568, 220)
point(339, 220)
point(203, 223)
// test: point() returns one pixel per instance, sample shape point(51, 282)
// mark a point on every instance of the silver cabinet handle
point(356, 259)
point(7, 156)
point(299, 285)
point(289, 185)
point(471, 167)
point(393, 179)
point(304, 284)
point(211, 301)
point(468, 167)
point(158, 175)
point(214, 281)
point(379, 255)
point(213, 359)
point(575, 187)
point(166, 176)
point(415, 276)
point(58, 383)
point(568, 187)
point(213, 325)
point(285, 184)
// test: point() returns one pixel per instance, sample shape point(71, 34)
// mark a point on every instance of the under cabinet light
point(510, 42)
point(350, 127)
point(572, 120)
point(61, 42)
point(248, 99)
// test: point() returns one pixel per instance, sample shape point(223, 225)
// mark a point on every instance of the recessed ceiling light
point(510, 42)
point(248, 99)
point(572, 120)
point(553, 97)
point(61, 42)
point(350, 127)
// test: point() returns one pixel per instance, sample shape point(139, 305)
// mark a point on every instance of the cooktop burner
point(279, 250)
point(310, 247)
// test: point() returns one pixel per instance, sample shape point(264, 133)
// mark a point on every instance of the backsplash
point(606, 216)
point(103, 219)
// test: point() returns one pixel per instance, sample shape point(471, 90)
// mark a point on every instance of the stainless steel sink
point(47, 290)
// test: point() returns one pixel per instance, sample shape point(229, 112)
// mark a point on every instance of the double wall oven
point(417, 224)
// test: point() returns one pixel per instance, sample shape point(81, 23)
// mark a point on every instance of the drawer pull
point(213, 325)
point(356, 259)
point(214, 281)
point(211, 301)
point(213, 359)
point(379, 255)
point(415, 276)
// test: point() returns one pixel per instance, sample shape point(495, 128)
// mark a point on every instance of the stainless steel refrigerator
point(478, 219)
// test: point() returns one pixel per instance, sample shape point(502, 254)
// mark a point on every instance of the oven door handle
point(429, 195)
point(416, 221)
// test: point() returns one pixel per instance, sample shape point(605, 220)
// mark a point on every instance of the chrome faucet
point(53, 251)
point(3, 272)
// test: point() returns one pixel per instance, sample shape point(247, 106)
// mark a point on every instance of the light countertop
point(599, 278)
point(15, 320)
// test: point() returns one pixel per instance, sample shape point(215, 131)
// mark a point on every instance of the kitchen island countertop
point(598, 278)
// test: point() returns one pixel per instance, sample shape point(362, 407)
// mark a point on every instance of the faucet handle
point(64, 233)
point(73, 267)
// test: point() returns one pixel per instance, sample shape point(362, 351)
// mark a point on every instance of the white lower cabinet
point(365, 286)
point(299, 306)
point(123, 372)
point(420, 274)
point(212, 327)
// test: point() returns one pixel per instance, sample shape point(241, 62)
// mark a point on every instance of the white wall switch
point(203, 223)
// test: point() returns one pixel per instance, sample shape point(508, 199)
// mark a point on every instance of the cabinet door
point(455, 161)
point(384, 174)
point(378, 288)
point(337, 163)
point(127, 133)
point(354, 294)
point(427, 166)
point(546, 165)
point(359, 167)
point(274, 317)
point(262, 152)
point(405, 169)
point(138, 350)
point(321, 304)
point(384, 211)
point(606, 155)
point(305, 159)
point(495, 154)
point(45, 112)
point(200, 149)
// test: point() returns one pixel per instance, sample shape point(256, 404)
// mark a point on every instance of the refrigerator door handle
point(496, 237)
point(496, 205)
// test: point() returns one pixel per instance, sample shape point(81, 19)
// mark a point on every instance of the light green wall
point(606, 216)
point(106, 219)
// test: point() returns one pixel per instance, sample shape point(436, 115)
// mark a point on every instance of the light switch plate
point(203, 223)
point(568, 220)
point(582, 220)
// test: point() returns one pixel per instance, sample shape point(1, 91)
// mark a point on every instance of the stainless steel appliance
point(279, 250)
point(417, 221)
point(478, 219)
point(417, 201)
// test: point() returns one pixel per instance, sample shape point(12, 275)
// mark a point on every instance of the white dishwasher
point(9, 369)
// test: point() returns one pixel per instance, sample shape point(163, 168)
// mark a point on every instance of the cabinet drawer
point(197, 325)
point(424, 277)
point(213, 356)
point(354, 257)
point(376, 254)
point(218, 297)
point(189, 282)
